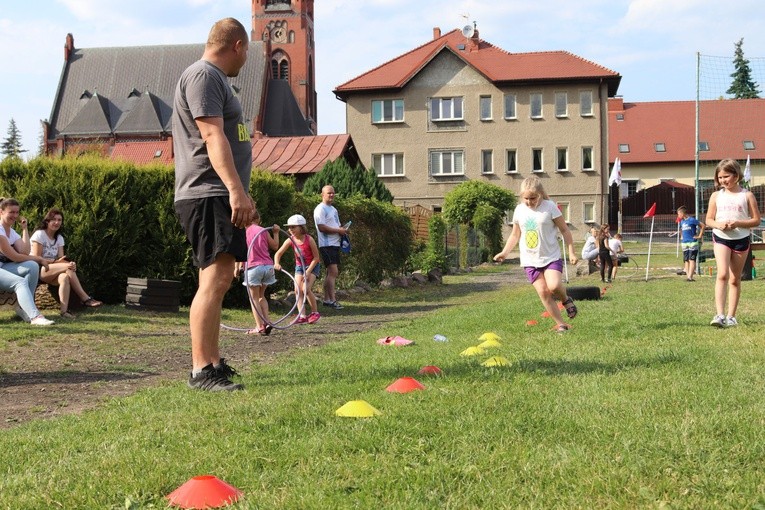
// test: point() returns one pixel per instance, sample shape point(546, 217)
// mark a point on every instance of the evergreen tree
point(348, 181)
point(11, 146)
point(742, 87)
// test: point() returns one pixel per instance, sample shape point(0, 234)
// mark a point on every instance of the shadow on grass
point(10, 379)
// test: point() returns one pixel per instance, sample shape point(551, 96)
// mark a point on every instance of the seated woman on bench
point(48, 242)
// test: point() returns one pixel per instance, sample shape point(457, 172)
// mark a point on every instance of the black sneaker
point(211, 379)
point(226, 370)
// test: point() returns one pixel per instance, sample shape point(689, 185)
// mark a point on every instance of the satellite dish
point(468, 31)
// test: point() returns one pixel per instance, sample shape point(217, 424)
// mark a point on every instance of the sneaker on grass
point(41, 321)
point(731, 321)
point(226, 370)
point(212, 379)
point(313, 317)
point(718, 321)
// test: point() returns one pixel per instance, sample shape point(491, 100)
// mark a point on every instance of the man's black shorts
point(208, 227)
point(330, 255)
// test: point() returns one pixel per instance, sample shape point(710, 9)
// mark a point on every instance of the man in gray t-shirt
point(213, 162)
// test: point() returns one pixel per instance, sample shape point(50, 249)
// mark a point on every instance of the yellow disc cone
point(488, 344)
point(357, 409)
point(490, 336)
point(472, 351)
point(496, 361)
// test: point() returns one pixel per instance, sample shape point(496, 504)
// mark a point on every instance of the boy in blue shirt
point(691, 231)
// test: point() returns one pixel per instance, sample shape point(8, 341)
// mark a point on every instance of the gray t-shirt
point(203, 90)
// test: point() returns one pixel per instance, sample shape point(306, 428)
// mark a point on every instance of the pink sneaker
point(314, 317)
point(301, 320)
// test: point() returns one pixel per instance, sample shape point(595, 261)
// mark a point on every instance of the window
point(512, 161)
point(564, 210)
point(562, 159)
point(585, 104)
point(445, 108)
point(588, 212)
point(388, 164)
point(280, 66)
point(387, 110)
point(487, 161)
point(485, 103)
point(630, 186)
point(624, 147)
point(619, 116)
point(587, 165)
point(703, 146)
point(510, 106)
point(446, 163)
point(748, 145)
point(660, 147)
point(535, 101)
point(561, 104)
point(536, 160)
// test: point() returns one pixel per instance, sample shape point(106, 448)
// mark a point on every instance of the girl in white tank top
point(732, 213)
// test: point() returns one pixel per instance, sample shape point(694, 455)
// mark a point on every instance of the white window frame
point(511, 155)
point(585, 103)
point(454, 156)
point(541, 168)
point(396, 159)
point(591, 168)
point(535, 101)
point(485, 101)
point(565, 210)
point(557, 159)
point(510, 102)
point(624, 148)
point(561, 105)
point(448, 104)
point(660, 147)
point(487, 161)
point(585, 217)
point(396, 105)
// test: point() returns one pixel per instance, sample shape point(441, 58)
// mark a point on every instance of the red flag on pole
point(651, 211)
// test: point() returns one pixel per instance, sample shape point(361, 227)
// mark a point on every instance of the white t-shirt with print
point(50, 247)
point(539, 235)
point(327, 215)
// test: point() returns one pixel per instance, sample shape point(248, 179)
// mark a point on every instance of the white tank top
point(732, 206)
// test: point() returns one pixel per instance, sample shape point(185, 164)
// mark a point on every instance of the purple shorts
point(532, 273)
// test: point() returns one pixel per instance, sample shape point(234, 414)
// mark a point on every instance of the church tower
point(288, 25)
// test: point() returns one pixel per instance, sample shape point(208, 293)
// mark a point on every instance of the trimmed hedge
point(119, 221)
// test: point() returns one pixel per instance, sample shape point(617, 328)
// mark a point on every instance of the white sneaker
point(41, 321)
point(731, 321)
point(718, 321)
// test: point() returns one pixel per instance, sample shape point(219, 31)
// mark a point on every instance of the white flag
point(616, 174)
point(747, 170)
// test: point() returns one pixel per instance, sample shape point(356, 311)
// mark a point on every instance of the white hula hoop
point(273, 324)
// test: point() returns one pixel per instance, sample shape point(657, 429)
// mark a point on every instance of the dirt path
point(75, 372)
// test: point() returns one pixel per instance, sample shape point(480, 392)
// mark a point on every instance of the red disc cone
point(204, 491)
point(532, 322)
point(429, 370)
point(405, 385)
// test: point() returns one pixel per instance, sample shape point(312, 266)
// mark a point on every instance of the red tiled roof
point(298, 154)
point(143, 153)
point(723, 123)
point(495, 64)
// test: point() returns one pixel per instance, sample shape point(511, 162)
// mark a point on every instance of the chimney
point(616, 104)
point(436, 33)
point(68, 47)
point(474, 39)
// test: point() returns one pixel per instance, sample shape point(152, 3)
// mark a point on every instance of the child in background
point(732, 212)
point(604, 253)
point(536, 223)
point(691, 231)
point(260, 272)
point(616, 247)
point(307, 267)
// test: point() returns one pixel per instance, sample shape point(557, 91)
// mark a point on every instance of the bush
point(348, 182)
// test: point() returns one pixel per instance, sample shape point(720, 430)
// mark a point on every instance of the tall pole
point(696, 173)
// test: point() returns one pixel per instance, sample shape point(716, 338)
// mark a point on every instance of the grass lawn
point(641, 405)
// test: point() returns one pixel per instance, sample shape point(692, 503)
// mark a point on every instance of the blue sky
point(651, 43)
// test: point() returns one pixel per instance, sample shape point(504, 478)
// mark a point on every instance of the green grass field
point(641, 405)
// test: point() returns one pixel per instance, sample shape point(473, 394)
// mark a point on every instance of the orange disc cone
point(546, 314)
point(429, 370)
point(532, 322)
point(357, 409)
point(405, 385)
point(204, 491)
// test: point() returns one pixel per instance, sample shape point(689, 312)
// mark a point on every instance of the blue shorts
point(737, 245)
point(316, 270)
point(690, 250)
point(259, 275)
point(532, 273)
